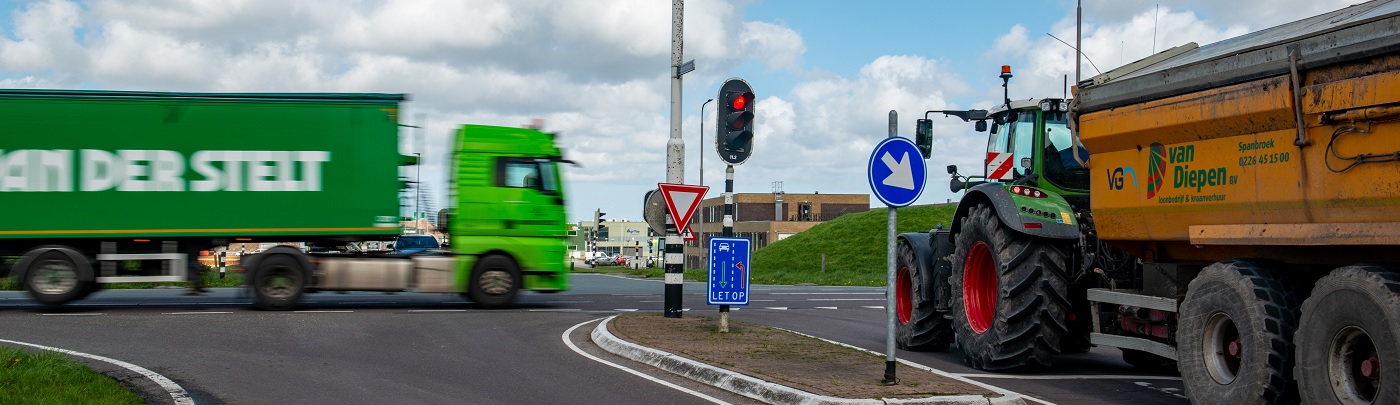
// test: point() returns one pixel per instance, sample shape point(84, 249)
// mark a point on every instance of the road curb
point(758, 389)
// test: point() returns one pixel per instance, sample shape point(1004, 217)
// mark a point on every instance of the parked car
point(411, 244)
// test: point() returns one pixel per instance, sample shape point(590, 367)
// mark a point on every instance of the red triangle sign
point(682, 200)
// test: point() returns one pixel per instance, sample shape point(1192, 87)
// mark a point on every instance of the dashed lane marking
point(81, 314)
point(323, 312)
point(1071, 377)
point(874, 307)
point(845, 299)
point(777, 308)
point(437, 310)
point(556, 310)
point(826, 308)
point(194, 313)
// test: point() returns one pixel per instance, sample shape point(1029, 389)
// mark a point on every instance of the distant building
point(762, 218)
point(632, 238)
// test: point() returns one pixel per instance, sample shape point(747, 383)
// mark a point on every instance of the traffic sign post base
point(723, 319)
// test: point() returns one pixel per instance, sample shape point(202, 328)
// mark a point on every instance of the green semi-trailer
point(93, 180)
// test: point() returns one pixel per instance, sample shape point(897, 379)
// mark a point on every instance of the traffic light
point(923, 136)
point(735, 140)
point(598, 228)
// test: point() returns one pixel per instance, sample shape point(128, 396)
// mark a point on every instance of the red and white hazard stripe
point(999, 165)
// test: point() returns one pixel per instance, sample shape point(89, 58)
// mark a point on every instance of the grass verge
point(854, 245)
point(50, 378)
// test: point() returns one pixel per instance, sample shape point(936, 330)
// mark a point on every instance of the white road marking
point(322, 312)
point(177, 393)
point(82, 314)
point(831, 293)
point(1071, 377)
point(826, 308)
point(1170, 391)
point(554, 310)
point(845, 299)
point(626, 310)
point(879, 307)
point(994, 388)
point(633, 372)
point(193, 313)
point(437, 310)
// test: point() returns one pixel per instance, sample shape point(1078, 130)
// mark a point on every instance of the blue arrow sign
point(897, 172)
point(729, 272)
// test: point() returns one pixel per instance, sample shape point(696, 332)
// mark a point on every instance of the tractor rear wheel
point(1008, 293)
point(920, 327)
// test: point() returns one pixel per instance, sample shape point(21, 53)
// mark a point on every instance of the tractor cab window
point(535, 174)
point(1012, 140)
point(1060, 165)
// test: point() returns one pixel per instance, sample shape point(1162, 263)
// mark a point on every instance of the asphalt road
point(438, 348)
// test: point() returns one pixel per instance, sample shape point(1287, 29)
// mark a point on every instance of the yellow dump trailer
point(1257, 182)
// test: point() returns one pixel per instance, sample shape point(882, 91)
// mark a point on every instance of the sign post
point(729, 273)
point(682, 200)
point(897, 173)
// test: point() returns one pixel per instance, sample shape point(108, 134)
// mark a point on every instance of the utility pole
point(418, 191)
point(675, 168)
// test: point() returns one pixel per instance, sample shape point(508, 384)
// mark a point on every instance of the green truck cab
point(103, 187)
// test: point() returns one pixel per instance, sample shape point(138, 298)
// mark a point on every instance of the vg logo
point(1116, 176)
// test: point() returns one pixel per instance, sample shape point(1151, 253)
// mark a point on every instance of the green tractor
point(1006, 278)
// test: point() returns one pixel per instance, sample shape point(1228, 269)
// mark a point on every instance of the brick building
point(766, 218)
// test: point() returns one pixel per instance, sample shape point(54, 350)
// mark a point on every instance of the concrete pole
point(890, 378)
point(675, 169)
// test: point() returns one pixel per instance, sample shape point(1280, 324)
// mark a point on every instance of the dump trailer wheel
point(1235, 331)
point(278, 283)
point(1348, 341)
point(54, 279)
point(920, 327)
point(1008, 295)
point(495, 282)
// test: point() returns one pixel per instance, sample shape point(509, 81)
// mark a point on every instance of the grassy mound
point(854, 245)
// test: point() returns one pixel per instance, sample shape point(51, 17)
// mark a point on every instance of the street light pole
point(702, 144)
point(417, 190)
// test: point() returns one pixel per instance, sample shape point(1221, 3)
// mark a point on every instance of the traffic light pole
point(728, 231)
point(675, 167)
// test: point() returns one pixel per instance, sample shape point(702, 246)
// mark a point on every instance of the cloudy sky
point(826, 73)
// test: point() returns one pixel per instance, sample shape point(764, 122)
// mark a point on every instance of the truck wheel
point(53, 279)
point(278, 283)
point(1236, 335)
point(495, 282)
point(1348, 341)
point(1008, 295)
point(920, 328)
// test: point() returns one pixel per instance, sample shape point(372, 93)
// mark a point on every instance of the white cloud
point(777, 46)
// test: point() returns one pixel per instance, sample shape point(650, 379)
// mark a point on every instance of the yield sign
point(681, 201)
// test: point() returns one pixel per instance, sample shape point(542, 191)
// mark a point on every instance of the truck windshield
point(1060, 166)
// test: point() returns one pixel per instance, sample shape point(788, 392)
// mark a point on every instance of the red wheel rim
point(979, 288)
point(903, 302)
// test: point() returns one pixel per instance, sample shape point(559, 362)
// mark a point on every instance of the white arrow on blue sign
point(897, 172)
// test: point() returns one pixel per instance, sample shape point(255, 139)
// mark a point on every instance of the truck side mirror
point(923, 136)
point(980, 126)
point(953, 169)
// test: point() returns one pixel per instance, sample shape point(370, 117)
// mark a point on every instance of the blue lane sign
point(729, 272)
point(897, 172)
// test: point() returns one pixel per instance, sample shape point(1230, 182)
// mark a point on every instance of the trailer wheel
point(54, 279)
point(920, 327)
point(1236, 335)
point(1348, 341)
point(278, 283)
point(1008, 295)
point(495, 282)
